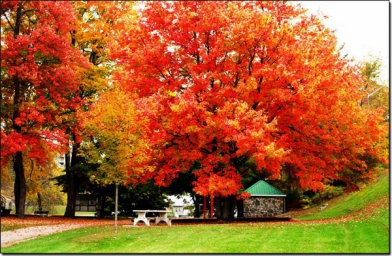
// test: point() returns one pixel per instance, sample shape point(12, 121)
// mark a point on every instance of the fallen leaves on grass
point(12, 222)
point(371, 211)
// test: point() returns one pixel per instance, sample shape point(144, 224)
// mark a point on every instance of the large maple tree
point(261, 82)
point(39, 73)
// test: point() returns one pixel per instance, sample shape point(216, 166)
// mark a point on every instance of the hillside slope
point(371, 199)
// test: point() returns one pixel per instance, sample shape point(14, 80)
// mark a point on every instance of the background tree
point(377, 99)
point(98, 22)
point(42, 193)
point(227, 84)
point(377, 93)
point(39, 73)
point(116, 145)
point(142, 196)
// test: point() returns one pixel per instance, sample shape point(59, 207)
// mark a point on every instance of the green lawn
point(58, 210)
point(353, 202)
point(366, 232)
point(350, 237)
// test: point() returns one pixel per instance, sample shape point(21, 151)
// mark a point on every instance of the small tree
point(97, 23)
point(42, 192)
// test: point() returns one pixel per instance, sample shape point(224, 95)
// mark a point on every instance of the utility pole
point(116, 209)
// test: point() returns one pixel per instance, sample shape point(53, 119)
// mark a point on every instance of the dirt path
point(11, 237)
point(41, 226)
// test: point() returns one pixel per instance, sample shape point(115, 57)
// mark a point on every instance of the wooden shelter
point(86, 203)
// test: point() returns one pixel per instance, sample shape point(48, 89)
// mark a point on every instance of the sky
point(362, 26)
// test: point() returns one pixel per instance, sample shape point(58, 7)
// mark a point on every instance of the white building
point(178, 204)
point(60, 160)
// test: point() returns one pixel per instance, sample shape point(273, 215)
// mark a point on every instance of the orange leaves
point(225, 183)
point(118, 131)
point(98, 22)
point(257, 80)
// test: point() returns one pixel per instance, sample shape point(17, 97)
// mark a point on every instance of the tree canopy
point(39, 73)
point(229, 83)
point(219, 90)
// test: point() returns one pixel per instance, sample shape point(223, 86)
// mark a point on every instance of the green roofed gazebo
point(265, 201)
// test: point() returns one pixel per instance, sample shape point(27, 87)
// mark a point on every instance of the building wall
point(264, 206)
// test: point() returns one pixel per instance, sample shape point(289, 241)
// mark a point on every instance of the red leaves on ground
point(30, 221)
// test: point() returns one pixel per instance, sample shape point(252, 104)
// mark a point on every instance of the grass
point(13, 226)
point(351, 203)
point(354, 223)
point(350, 237)
point(57, 210)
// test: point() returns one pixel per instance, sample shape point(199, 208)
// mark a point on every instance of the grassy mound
point(370, 198)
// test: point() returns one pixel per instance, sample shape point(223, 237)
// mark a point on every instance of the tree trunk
point(225, 208)
point(71, 191)
point(101, 203)
point(196, 200)
point(240, 208)
point(228, 208)
point(20, 180)
point(39, 201)
point(218, 206)
point(212, 207)
point(19, 186)
point(71, 174)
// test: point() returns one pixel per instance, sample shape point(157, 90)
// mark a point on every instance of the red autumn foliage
point(229, 83)
point(39, 83)
point(41, 76)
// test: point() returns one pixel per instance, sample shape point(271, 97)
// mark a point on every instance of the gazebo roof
point(262, 188)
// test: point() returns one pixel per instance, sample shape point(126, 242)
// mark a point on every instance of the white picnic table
point(141, 216)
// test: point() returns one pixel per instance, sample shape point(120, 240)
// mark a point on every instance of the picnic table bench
point(162, 216)
point(41, 213)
